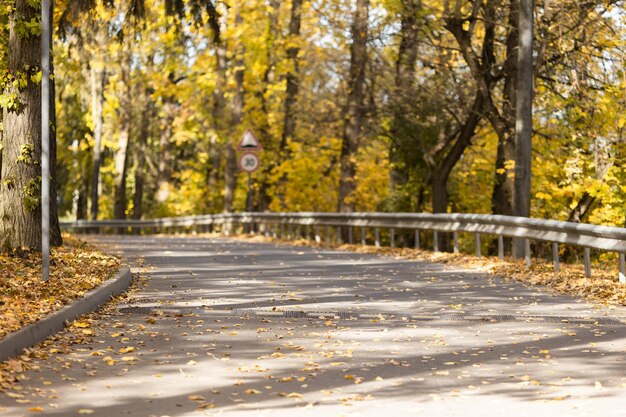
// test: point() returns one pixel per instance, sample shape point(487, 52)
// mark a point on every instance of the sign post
point(45, 138)
point(249, 161)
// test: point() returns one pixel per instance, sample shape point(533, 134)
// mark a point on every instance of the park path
point(207, 335)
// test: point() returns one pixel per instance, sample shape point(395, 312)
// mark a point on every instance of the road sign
point(249, 162)
point(249, 142)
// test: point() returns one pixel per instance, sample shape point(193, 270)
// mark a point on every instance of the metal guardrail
point(609, 239)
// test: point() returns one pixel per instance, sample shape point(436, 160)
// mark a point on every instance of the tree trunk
point(503, 191)
point(164, 173)
point(354, 112)
point(140, 157)
point(121, 156)
point(291, 94)
point(524, 118)
point(219, 105)
point(97, 80)
point(263, 199)
point(582, 208)
point(442, 165)
point(55, 226)
point(20, 185)
point(213, 174)
point(404, 82)
point(237, 118)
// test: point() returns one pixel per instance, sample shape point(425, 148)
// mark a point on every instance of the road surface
point(238, 328)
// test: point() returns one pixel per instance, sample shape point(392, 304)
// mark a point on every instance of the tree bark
point(20, 185)
point(164, 173)
point(524, 118)
point(218, 110)
point(582, 208)
point(291, 94)
point(97, 80)
point(404, 82)
point(443, 162)
point(140, 156)
point(121, 156)
point(503, 191)
point(55, 227)
point(354, 111)
point(237, 118)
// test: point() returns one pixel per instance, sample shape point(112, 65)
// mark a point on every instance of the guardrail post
point(555, 257)
point(350, 237)
point(417, 239)
point(291, 235)
point(363, 236)
point(587, 256)
point(478, 248)
point(328, 234)
point(455, 237)
point(501, 247)
point(377, 237)
point(435, 241)
point(308, 232)
point(392, 238)
point(299, 232)
point(316, 231)
point(338, 235)
point(622, 268)
point(527, 254)
point(282, 231)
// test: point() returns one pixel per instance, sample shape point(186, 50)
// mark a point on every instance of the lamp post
point(45, 137)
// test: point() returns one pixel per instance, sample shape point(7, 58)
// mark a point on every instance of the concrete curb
point(14, 343)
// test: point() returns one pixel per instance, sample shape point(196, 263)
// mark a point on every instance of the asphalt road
point(380, 336)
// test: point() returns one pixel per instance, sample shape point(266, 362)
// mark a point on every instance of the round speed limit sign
point(249, 162)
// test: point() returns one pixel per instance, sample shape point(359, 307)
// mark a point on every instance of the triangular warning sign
point(249, 142)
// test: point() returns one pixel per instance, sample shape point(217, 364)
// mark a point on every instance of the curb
point(14, 343)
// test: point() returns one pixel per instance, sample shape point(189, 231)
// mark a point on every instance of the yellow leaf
point(109, 360)
point(196, 398)
point(85, 411)
point(252, 391)
point(36, 409)
point(126, 349)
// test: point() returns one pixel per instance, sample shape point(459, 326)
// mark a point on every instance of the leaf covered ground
point(76, 267)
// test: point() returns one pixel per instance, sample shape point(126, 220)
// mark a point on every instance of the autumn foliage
point(24, 298)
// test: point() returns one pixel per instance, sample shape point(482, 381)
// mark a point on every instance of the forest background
point(381, 105)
